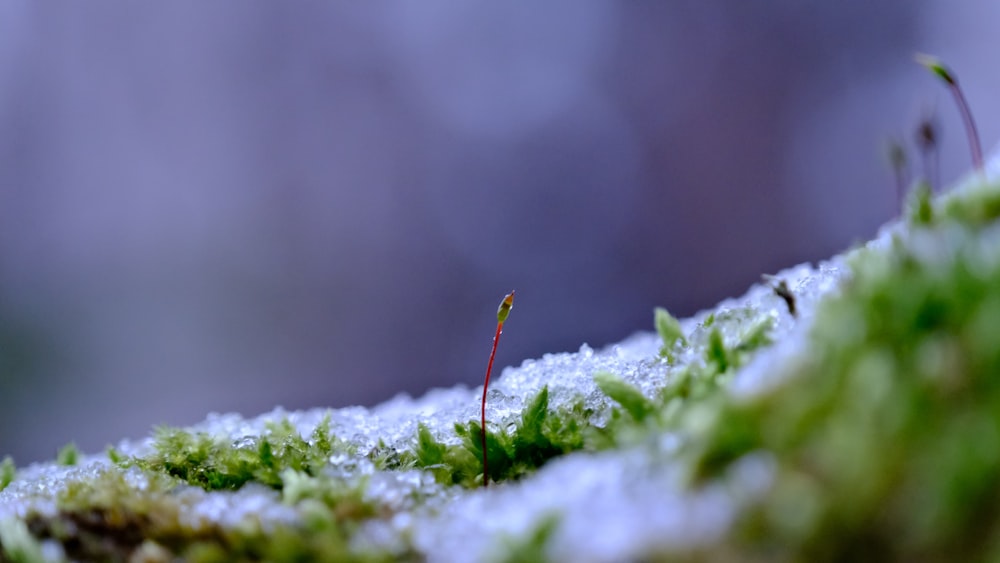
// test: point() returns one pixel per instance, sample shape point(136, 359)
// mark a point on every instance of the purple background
point(231, 206)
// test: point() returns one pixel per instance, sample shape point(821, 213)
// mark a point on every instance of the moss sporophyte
point(938, 68)
point(502, 312)
point(927, 135)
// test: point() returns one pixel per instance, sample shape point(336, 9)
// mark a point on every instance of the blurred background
point(231, 206)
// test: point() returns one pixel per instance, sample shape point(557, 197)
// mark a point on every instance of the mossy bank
point(847, 411)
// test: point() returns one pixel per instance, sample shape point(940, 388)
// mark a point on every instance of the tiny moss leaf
point(669, 329)
point(716, 352)
point(430, 452)
point(533, 417)
point(630, 398)
point(68, 455)
point(8, 471)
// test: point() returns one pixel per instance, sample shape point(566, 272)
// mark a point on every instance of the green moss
point(68, 455)
point(921, 208)
point(631, 399)
point(7, 472)
point(17, 544)
point(979, 204)
point(724, 358)
point(670, 332)
point(345, 498)
point(540, 435)
point(115, 456)
point(887, 440)
point(107, 518)
point(216, 463)
point(533, 546)
point(716, 352)
point(451, 465)
point(388, 458)
point(543, 433)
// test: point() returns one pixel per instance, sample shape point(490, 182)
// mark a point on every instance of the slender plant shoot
point(927, 139)
point(938, 68)
point(505, 306)
point(897, 160)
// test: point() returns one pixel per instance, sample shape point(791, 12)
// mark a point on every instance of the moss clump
point(540, 436)
point(543, 434)
point(887, 438)
point(109, 518)
point(345, 499)
point(214, 463)
point(978, 205)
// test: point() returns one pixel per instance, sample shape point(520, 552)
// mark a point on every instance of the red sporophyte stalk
point(938, 68)
point(505, 306)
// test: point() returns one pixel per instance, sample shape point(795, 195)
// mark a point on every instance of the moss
point(716, 352)
point(68, 455)
point(977, 205)
point(17, 544)
point(108, 518)
point(539, 436)
point(543, 434)
point(669, 329)
point(388, 458)
point(115, 456)
point(921, 208)
point(8, 471)
point(450, 465)
point(346, 499)
point(216, 463)
point(887, 440)
point(533, 546)
point(631, 399)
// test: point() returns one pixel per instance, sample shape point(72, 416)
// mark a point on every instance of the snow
point(611, 506)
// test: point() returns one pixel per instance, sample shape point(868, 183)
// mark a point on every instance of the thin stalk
point(927, 140)
point(897, 160)
point(505, 306)
point(938, 68)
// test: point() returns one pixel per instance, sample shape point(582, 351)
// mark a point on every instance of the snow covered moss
point(177, 494)
point(537, 437)
point(886, 436)
point(116, 515)
point(861, 419)
point(216, 463)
